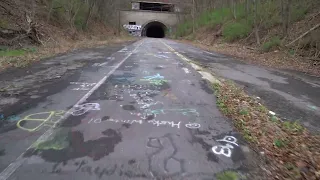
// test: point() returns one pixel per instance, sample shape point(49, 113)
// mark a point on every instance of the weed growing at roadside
point(293, 126)
point(279, 143)
point(270, 134)
point(227, 175)
point(274, 42)
point(236, 30)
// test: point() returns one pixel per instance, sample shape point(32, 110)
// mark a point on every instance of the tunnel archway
point(154, 29)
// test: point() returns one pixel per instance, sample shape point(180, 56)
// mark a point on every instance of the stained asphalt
point(293, 96)
point(139, 113)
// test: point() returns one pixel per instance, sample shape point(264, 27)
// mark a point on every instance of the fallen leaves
point(275, 59)
point(292, 151)
point(51, 49)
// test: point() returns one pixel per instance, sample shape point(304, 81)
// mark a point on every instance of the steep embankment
point(232, 31)
point(34, 29)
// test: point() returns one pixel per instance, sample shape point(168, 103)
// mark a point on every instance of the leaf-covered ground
point(291, 151)
point(275, 59)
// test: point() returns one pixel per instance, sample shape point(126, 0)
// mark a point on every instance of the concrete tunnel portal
point(154, 29)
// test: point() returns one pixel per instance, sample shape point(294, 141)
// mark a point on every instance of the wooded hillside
point(265, 24)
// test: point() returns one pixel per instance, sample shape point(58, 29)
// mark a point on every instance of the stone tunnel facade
point(148, 23)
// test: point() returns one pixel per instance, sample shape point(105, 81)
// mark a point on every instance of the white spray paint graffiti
point(152, 122)
point(186, 70)
point(193, 125)
point(225, 150)
point(184, 112)
point(134, 30)
point(83, 108)
point(83, 86)
point(99, 64)
point(163, 123)
point(143, 99)
point(132, 27)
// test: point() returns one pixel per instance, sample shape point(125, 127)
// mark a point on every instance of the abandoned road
point(142, 112)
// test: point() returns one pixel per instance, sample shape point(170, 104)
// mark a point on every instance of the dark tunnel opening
point(154, 30)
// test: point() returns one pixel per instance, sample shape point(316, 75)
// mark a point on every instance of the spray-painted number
point(225, 150)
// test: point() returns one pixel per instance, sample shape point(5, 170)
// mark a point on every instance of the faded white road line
point(6, 173)
point(205, 75)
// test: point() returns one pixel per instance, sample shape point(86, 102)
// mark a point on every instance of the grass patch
point(293, 126)
point(274, 118)
point(3, 23)
point(279, 143)
point(244, 112)
point(16, 52)
point(4, 52)
point(274, 42)
point(227, 175)
point(236, 30)
point(270, 134)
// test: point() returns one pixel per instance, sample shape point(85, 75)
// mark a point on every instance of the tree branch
point(304, 34)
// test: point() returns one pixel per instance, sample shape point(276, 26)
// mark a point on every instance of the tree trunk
point(50, 11)
point(256, 30)
point(247, 9)
point(285, 12)
point(85, 25)
point(234, 9)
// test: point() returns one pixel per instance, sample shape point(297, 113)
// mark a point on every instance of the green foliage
point(298, 13)
point(268, 15)
point(71, 10)
point(227, 175)
point(3, 23)
point(15, 52)
point(222, 106)
point(279, 143)
point(262, 109)
point(274, 42)
point(293, 126)
point(291, 51)
point(184, 29)
point(236, 30)
point(274, 119)
point(216, 17)
point(244, 112)
point(80, 18)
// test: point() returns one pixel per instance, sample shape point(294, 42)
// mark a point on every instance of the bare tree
point(256, 30)
point(285, 12)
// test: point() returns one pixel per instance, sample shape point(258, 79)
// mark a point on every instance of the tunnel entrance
point(154, 29)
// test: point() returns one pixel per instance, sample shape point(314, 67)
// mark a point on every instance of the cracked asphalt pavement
point(132, 111)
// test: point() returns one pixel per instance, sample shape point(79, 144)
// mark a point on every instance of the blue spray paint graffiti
point(184, 112)
point(155, 79)
point(9, 118)
point(157, 76)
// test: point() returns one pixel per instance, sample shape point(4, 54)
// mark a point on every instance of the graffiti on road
point(227, 149)
point(41, 119)
point(140, 122)
point(51, 118)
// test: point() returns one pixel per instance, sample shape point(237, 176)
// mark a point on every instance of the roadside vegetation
point(291, 151)
point(288, 26)
point(31, 29)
